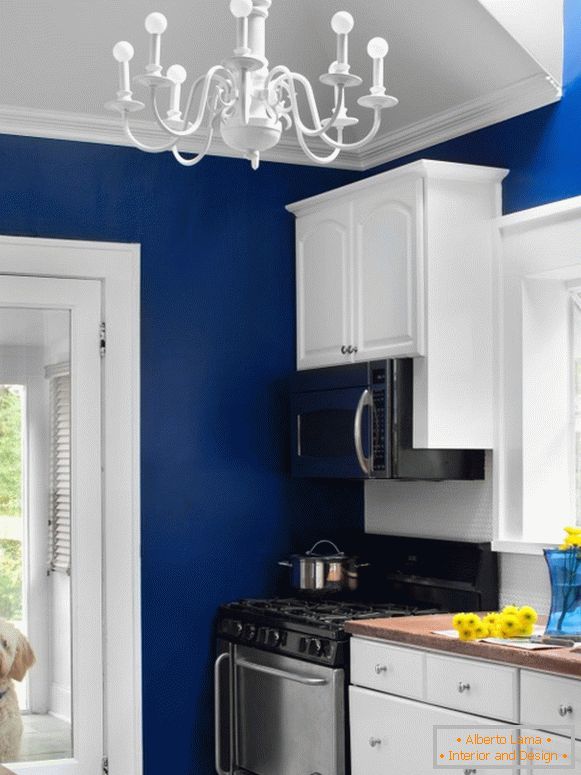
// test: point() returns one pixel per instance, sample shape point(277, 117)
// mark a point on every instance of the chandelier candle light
point(248, 103)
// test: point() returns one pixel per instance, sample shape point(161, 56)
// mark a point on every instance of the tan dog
point(16, 657)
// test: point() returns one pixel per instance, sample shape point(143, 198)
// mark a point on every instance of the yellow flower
point(572, 531)
point(471, 620)
point(458, 620)
point(573, 540)
point(510, 609)
point(527, 615)
point(496, 632)
point(525, 630)
point(481, 631)
point(509, 624)
point(467, 633)
point(491, 619)
point(564, 546)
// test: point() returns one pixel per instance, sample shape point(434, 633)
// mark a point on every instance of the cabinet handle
point(344, 349)
point(470, 772)
point(355, 349)
point(373, 741)
point(379, 669)
point(565, 709)
point(463, 687)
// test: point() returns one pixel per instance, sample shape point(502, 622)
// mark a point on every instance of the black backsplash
point(447, 575)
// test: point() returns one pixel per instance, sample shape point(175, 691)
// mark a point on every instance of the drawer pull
point(373, 741)
point(379, 669)
point(463, 687)
point(565, 709)
point(469, 772)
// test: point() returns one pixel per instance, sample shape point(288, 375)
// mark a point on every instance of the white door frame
point(117, 266)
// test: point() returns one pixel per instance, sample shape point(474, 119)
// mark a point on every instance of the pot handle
point(324, 541)
point(285, 563)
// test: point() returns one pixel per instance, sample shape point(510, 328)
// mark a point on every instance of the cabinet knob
point(463, 687)
point(379, 669)
point(565, 709)
point(373, 741)
point(469, 772)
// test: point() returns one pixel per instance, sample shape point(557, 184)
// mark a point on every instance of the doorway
point(69, 516)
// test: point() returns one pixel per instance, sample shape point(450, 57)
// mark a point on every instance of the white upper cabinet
point(402, 265)
point(324, 269)
point(388, 292)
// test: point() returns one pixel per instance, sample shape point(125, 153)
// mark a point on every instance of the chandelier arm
point(359, 143)
point(313, 156)
point(287, 79)
point(207, 79)
point(227, 81)
point(142, 146)
point(198, 158)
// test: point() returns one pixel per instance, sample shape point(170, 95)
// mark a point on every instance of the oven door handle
point(218, 713)
point(296, 677)
point(365, 463)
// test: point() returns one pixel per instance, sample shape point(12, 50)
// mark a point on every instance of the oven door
point(331, 433)
point(290, 715)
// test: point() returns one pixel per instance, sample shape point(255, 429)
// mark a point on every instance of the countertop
point(417, 631)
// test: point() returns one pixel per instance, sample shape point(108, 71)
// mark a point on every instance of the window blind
point(59, 524)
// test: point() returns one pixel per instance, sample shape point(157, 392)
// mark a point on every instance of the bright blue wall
point(217, 344)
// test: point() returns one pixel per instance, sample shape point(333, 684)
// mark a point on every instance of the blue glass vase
point(565, 574)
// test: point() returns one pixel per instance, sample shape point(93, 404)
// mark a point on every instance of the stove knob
point(273, 637)
point(237, 627)
point(315, 647)
point(250, 631)
point(261, 635)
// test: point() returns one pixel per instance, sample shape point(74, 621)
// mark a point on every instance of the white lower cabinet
point(400, 694)
point(395, 736)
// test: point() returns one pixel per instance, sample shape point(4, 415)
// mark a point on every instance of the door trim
point(117, 266)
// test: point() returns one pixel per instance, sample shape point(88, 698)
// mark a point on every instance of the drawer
point(550, 701)
point(395, 736)
point(387, 668)
point(473, 687)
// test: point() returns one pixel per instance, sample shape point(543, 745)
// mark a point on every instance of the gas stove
point(312, 630)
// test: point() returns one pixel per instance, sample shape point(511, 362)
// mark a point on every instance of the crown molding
point(59, 125)
point(514, 100)
point(521, 97)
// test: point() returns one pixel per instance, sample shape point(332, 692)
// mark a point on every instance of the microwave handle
point(365, 463)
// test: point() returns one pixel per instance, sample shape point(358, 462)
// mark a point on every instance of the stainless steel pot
point(313, 572)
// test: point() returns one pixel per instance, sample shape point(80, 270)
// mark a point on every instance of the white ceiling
point(452, 64)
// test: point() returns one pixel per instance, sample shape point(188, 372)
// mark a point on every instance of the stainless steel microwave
point(355, 422)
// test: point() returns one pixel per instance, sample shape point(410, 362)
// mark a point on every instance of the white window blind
point(59, 524)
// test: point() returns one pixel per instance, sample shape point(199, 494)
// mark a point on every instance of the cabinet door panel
point(324, 318)
point(556, 745)
point(388, 272)
point(392, 735)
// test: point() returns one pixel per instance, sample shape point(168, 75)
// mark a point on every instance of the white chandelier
point(248, 103)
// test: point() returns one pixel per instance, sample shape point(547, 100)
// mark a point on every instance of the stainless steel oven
point(277, 715)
